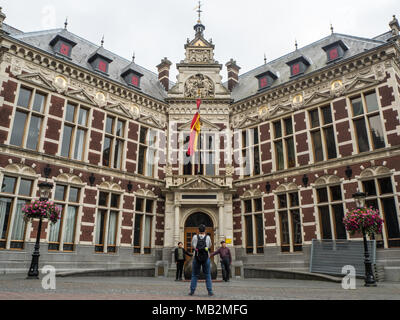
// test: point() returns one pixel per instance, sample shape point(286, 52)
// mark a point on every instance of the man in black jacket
point(180, 257)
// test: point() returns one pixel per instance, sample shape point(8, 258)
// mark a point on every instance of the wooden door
point(190, 232)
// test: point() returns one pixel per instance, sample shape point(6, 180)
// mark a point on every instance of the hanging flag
point(195, 129)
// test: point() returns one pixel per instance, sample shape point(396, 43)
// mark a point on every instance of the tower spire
point(199, 27)
point(199, 12)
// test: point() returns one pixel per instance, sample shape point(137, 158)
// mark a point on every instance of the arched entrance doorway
point(192, 227)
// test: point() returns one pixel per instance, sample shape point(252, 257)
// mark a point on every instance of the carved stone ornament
point(60, 83)
point(168, 169)
point(199, 84)
point(16, 67)
point(379, 72)
point(198, 55)
point(100, 99)
point(298, 101)
point(229, 170)
point(337, 88)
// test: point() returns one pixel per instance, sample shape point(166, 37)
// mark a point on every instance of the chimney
point(163, 72)
point(233, 74)
point(2, 18)
point(394, 26)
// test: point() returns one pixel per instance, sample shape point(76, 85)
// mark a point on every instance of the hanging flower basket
point(41, 209)
point(362, 220)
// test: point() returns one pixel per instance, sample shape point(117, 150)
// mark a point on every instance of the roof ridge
point(312, 44)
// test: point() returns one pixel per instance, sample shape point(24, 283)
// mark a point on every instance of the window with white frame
point(203, 162)
point(254, 225)
point(107, 220)
point(144, 215)
point(62, 233)
point(290, 222)
point(367, 122)
point(285, 154)
point(331, 212)
point(28, 118)
point(73, 144)
point(114, 141)
point(15, 193)
point(322, 134)
point(147, 152)
point(381, 195)
point(251, 152)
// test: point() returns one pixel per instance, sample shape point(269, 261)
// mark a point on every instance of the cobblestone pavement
point(16, 287)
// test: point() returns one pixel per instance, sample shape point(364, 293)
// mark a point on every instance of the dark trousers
point(179, 269)
point(226, 269)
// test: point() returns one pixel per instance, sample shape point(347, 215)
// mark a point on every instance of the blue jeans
point(196, 273)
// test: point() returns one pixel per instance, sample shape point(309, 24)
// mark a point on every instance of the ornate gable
point(38, 80)
point(119, 109)
point(151, 121)
point(80, 95)
point(206, 126)
point(317, 97)
point(199, 183)
point(247, 122)
point(360, 83)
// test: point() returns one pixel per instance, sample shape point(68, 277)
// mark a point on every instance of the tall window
point(28, 119)
point(15, 193)
point(107, 220)
point(147, 152)
point(251, 152)
point(254, 226)
point(322, 134)
point(75, 132)
point(203, 162)
point(144, 212)
point(114, 141)
point(284, 144)
point(290, 222)
point(331, 212)
point(381, 196)
point(62, 234)
point(367, 122)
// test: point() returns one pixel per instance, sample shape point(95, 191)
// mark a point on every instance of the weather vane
point(199, 11)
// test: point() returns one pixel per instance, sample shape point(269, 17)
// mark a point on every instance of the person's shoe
point(176, 279)
point(191, 293)
point(210, 294)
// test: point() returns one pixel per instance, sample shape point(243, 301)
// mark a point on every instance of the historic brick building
point(283, 149)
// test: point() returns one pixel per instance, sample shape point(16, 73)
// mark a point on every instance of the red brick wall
point(9, 90)
point(56, 106)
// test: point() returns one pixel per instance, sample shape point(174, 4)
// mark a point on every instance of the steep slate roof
point(84, 49)
point(248, 83)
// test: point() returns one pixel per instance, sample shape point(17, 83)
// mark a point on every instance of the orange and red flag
point(195, 129)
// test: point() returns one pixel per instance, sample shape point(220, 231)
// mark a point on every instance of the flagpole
point(198, 169)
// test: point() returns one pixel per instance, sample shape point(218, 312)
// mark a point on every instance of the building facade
point(282, 149)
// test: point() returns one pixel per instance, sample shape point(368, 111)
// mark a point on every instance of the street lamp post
point(359, 198)
point(44, 189)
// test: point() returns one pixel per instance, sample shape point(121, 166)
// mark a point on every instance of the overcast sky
point(242, 30)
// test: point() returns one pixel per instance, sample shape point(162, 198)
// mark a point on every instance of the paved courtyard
point(16, 287)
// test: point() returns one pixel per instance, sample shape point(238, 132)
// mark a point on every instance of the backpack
point(201, 253)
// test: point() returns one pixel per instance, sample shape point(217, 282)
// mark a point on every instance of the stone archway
point(192, 227)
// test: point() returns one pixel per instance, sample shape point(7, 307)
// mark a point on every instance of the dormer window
point(335, 51)
point(266, 79)
point(132, 77)
point(62, 46)
point(100, 63)
point(298, 66)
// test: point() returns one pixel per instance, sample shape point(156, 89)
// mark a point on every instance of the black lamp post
point(359, 199)
point(44, 190)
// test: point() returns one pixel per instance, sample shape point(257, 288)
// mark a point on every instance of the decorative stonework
point(100, 99)
point(199, 84)
point(69, 178)
point(60, 83)
point(200, 56)
point(337, 88)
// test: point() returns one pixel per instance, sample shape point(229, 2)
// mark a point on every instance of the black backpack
point(201, 253)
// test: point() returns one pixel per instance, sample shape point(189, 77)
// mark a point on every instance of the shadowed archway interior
point(196, 219)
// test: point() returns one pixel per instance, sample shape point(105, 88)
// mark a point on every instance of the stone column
point(177, 229)
point(221, 222)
